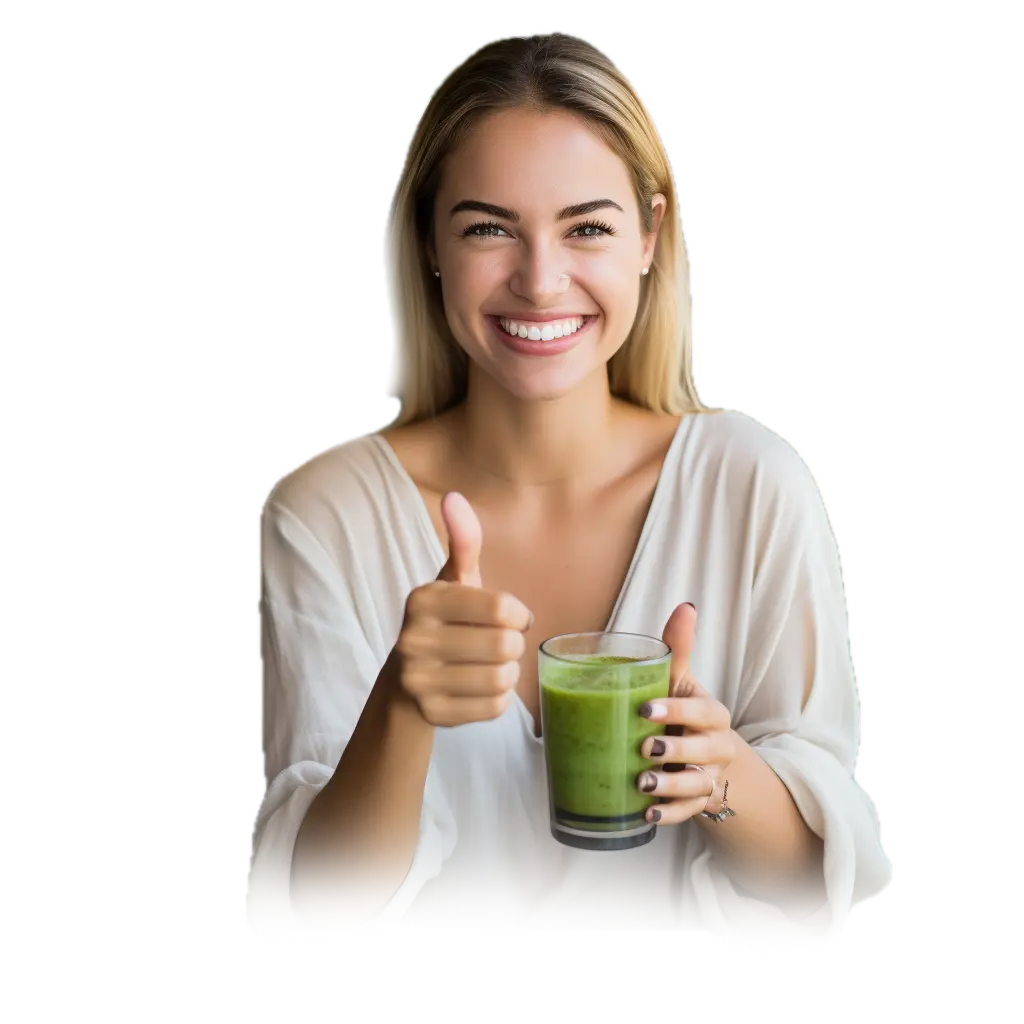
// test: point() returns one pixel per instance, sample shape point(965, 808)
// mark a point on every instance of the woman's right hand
point(460, 644)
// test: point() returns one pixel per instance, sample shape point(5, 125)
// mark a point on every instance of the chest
point(567, 569)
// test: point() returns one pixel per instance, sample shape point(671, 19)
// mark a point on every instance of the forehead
point(534, 162)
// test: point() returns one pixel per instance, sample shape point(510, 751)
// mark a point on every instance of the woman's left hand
point(699, 731)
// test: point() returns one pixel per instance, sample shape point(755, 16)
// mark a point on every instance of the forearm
point(767, 845)
point(363, 826)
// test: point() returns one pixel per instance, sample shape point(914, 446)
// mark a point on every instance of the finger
point(456, 603)
point(694, 748)
point(423, 676)
point(701, 713)
point(685, 785)
point(679, 634)
point(674, 812)
point(446, 643)
point(452, 711)
point(465, 539)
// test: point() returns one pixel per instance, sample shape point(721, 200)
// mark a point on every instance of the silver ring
point(566, 276)
point(712, 777)
point(726, 812)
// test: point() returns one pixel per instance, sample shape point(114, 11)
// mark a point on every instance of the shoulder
point(341, 488)
point(759, 467)
point(424, 450)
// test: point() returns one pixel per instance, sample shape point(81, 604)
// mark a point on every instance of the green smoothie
point(592, 735)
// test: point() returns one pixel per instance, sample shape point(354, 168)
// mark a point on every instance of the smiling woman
point(551, 472)
point(521, 121)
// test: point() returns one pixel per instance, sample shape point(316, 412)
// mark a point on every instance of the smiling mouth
point(541, 330)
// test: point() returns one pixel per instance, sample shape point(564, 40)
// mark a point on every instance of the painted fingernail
point(652, 711)
point(648, 782)
point(691, 604)
point(653, 815)
point(657, 748)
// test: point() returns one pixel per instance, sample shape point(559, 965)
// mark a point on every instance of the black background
point(784, 322)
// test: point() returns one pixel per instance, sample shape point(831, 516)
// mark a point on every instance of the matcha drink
point(591, 687)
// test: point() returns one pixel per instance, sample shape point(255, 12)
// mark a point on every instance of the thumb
point(680, 631)
point(465, 538)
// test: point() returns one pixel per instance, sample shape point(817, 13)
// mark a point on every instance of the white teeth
point(555, 329)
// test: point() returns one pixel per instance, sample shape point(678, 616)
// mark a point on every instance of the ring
point(712, 777)
point(725, 812)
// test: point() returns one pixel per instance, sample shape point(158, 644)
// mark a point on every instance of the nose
point(541, 274)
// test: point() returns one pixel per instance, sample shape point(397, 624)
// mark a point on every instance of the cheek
point(610, 284)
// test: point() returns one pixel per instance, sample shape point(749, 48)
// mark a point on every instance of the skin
point(539, 420)
point(530, 422)
point(538, 442)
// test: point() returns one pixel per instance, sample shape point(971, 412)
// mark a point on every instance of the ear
point(659, 204)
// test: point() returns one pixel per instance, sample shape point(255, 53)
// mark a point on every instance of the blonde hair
point(552, 72)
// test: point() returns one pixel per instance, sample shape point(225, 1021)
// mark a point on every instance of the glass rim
point(606, 632)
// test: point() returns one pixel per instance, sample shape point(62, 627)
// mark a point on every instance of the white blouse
point(736, 526)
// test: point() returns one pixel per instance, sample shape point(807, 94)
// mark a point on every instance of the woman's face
point(505, 233)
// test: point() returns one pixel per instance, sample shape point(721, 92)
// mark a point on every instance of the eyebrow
point(577, 210)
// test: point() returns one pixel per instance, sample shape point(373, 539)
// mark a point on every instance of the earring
point(644, 271)
point(437, 273)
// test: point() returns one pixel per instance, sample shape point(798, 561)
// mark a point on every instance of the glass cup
point(591, 689)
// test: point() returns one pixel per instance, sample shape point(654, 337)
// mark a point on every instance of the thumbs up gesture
point(460, 643)
point(465, 539)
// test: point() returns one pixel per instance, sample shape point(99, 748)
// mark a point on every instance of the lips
point(538, 330)
point(526, 347)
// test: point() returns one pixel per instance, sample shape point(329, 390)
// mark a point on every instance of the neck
point(526, 444)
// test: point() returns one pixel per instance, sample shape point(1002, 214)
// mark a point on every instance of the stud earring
point(644, 271)
point(437, 273)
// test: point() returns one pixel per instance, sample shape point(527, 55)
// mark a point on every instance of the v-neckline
point(426, 526)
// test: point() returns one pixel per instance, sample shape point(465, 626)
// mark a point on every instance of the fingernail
point(691, 604)
point(653, 815)
point(648, 782)
point(653, 711)
point(657, 748)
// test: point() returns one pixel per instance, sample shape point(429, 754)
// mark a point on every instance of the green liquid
point(592, 736)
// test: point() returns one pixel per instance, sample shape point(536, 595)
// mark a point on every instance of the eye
point(483, 229)
point(594, 226)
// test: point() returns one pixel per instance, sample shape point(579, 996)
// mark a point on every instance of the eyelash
point(600, 225)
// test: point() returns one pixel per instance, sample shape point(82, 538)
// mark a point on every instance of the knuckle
point(501, 678)
point(509, 673)
point(415, 678)
point(410, 643)
point(436, 710)
point(505, 608)
point(494, 707)
point(513, 644)
point(419, 600)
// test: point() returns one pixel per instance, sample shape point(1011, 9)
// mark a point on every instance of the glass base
point(583, 840)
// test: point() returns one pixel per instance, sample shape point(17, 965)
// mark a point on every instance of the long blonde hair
point(549, 72)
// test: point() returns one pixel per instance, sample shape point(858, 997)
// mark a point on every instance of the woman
point(552, 471)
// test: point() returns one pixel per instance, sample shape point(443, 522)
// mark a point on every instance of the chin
point(545, 386)
point(543, 383)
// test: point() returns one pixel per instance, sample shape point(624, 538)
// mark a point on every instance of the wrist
point(400, 707)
